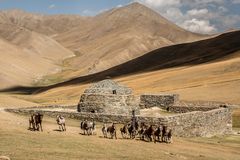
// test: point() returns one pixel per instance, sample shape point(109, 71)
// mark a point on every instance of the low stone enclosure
point(108, 102)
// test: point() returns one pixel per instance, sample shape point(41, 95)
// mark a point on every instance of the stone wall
point(159, 100)
point(186, 109)
point(108, 118)
point(210, 123)
point(193, 124)
point(108, 104)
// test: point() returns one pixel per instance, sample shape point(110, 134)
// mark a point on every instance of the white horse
point(61, 122)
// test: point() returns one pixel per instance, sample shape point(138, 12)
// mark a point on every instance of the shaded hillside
point(189, 54)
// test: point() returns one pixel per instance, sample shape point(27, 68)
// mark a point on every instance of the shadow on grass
point(57, 130)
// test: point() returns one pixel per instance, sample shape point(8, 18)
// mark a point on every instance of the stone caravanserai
point(107, 97)
point(108, 101)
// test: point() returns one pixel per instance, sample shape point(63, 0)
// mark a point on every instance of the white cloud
point(199, 26)
point(222, 9)
point(202, 16)
point(174, 14)
point(118, 6)
point(198, 13)
point(236, 1)
point(51, 6)
point(160, 3)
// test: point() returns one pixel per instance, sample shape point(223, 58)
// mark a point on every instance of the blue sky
point(202, 16)
point(83, 7)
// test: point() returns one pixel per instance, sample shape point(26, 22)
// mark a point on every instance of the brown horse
point(124, 130)
point(169, 136)
point(35, 122)
point(32, 125)
point(104, 130)
point(156, 134)
point(166, 135)
point(38, 121)
point(148, 133)
point(112, 131)
point(142, 129)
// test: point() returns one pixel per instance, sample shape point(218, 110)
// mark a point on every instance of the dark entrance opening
point(114, 92)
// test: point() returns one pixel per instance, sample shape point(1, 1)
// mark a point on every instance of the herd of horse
point(131, 130)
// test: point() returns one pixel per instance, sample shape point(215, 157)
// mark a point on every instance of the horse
point(112, 131)
point(87, 127)
point(61, 122)
point(32, 124)
point(148, 133)
point(164, 134)
point(38, 121)
point(169, 136)
point(104, 130)
point(156, 134)
point(133, 129)
point(141, 131)
point(124, 131)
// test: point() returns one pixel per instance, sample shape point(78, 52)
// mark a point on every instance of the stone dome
point(107, 97)
point(108, 87)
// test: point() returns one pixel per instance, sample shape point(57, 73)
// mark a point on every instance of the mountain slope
point(27, 56)
point(119, 35)
point(44, 24)
point(188, 54)
point(101, 42)
point(204, 70)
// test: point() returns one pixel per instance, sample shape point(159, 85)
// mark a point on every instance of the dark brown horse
point(133, 129)
point(124, 130)
point(164, 134)
point(169, 136)
point(38, 121)
point(35, 122)
point(32, 125)
point(157, 134)
point(112, 131)
point(148, 133)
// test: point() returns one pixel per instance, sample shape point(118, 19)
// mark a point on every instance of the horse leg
point(64, 127)
point(150, 138)
point(154, 138)
point(88, 132)
point(37, 127)
point(115, 134)
point(29, 125)
point(105, 134)
point(41, 126)
point(59, 126)
point(122, 135)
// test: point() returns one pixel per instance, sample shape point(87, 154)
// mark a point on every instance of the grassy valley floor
point(19, 143)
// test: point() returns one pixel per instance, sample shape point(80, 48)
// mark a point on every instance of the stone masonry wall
point(108, 104)
point(203, 124)
point(186, 109)
point(159, 100)
point(193, 124)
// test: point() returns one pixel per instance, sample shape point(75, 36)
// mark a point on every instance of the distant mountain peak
point(136, 4)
